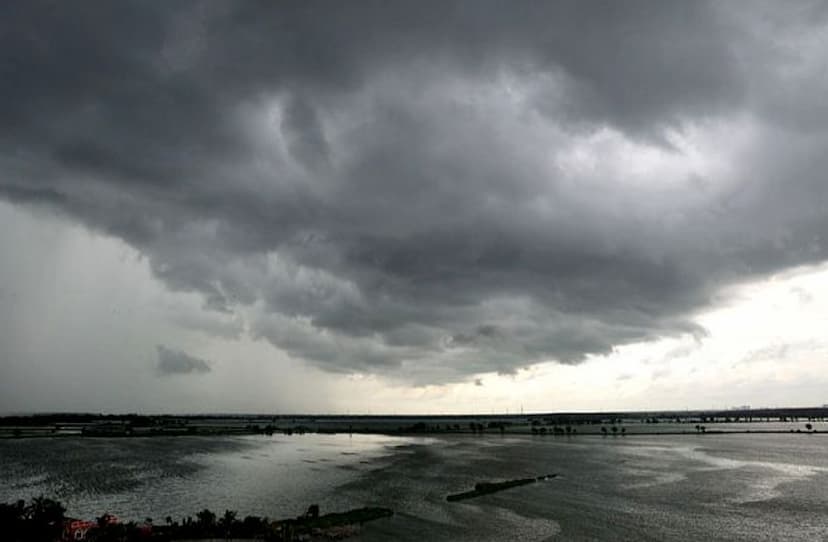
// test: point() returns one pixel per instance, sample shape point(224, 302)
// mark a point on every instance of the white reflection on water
point(275, 476)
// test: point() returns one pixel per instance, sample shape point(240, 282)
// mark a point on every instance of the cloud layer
point(172, 362)
point(429, 190)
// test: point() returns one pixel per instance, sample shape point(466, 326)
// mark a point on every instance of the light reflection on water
point(692, 487)
point(276, 476)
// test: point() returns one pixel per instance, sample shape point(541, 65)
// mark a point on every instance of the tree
point(226, 522)
point(252, 525)
point(45, 517)
point(808, 426)
point(206, 518)
point(105, 520)
point(12, 518)
point(604, 430)
point(614, 430)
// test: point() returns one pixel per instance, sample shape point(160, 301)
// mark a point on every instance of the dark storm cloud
point(171, 362)
point(398, 187)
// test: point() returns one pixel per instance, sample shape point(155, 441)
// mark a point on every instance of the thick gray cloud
point(429, 190)
point(172, 362)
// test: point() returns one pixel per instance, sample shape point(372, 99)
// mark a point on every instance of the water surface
point(676, 487)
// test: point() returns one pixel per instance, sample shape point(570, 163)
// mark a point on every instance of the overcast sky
point(412, 206)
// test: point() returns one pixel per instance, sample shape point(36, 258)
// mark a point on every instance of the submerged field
point(678, 487)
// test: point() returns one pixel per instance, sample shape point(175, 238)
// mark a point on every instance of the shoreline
point(44, 519)
point(379, 432)
point(781, 421)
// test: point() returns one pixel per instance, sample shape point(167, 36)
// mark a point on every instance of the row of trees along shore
point(44, 520)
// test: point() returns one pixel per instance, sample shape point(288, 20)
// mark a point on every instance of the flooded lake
point(672, 487)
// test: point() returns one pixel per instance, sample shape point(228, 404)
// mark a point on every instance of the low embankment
point(486, 488)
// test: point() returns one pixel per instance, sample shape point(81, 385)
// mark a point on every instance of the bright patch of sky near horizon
point(82, 338)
